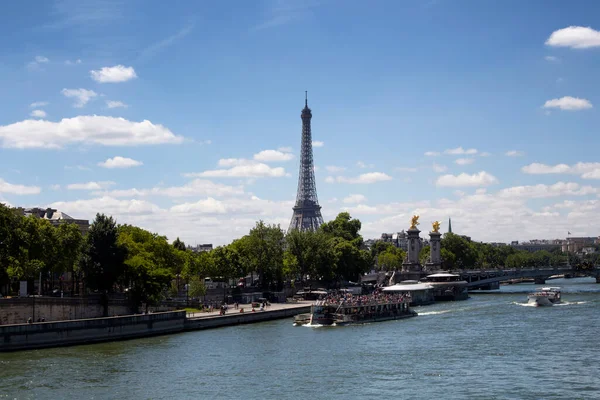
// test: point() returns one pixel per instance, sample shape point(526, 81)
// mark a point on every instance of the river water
point(492, 346)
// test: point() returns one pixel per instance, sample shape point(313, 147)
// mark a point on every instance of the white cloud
point(107, 131)
point(464, 161)
point(439, 168)
point(38, 104)
point(334, 168)
point(330, 179)
point(240, 168)
point(217, 221)
point(120, 162)
point(552, 58)
point(55, 187)
point(485, 154)
point(38, 114)
point(115, 104)
point(317, 143)
point(76, 62)
point(367, 178)
point(118, 73)
point(479, 179)
point(460, 151)
point(568, 103)
point(514, 153)
point(11, 188)
point(90, 185)
point(355, 199)
point(546, 191)
point(576, 37)
point(83, 96)
point(361, 164)
point(35, 64)
point(273, 156)
point(197, 187)
point(586, 170)
point(286, 149)
point(432, 153)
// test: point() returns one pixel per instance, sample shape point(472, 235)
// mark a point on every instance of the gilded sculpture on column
point(436, 226)
point(414, 222)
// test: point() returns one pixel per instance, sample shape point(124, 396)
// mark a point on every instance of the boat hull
point(542, 301)
point(376, 319)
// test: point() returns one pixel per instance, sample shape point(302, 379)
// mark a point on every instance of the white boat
point(545, 296)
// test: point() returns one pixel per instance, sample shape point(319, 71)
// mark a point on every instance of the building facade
point(56, 217)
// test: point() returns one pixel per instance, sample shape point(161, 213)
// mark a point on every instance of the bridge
point(490, 279)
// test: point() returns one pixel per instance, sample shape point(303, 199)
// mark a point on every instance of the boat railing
point(323, 303)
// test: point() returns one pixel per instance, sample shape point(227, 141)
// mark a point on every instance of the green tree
point(102, 260)
point(391, 259)
point(345, 227)
point(264, 254)
point(69, 241)
point(196, 287)
point(308, 249)
point(465, 254)
point(424, 254)
point(179, 245)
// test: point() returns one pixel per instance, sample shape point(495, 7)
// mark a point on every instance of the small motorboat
point(546, 296)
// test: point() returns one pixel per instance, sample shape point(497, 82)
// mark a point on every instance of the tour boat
point(546, 296)
point(347, 309)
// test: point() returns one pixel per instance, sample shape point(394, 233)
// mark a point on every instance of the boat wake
point(570, 303)
point(524, 304)
point(433, 312)
point(564, 303)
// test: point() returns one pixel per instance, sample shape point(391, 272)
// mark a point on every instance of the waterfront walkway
point(248, 309)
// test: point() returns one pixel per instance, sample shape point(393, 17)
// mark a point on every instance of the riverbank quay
point(86, 331)
point(201, 320)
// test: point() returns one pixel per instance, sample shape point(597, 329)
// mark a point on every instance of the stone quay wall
point(64, 333)
point(18, 310)
point(237, 318)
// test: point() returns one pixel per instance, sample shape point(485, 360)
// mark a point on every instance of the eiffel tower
point(307, 211)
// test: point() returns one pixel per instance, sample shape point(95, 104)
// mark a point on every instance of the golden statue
point(414, 222)
point(436, 226)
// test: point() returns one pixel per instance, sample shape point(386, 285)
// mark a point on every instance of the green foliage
point(103, 257)
point(343, 226)
point(179, 245)
point(379, 247)
point(309, 251)
point(390, 259)
point(151, 264)
point(424, 254)
point(196, 287)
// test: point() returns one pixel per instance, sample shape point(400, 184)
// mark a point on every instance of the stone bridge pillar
point(539, 281)
point(435, 258)
point(411, 268)
point(598, 279)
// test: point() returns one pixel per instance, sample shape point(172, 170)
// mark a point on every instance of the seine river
point(491, 346)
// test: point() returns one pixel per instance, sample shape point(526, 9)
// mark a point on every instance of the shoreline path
point(248, 309)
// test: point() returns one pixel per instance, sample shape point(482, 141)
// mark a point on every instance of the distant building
point(56, 217)
point(201, 247)
point(400, 240)
point(576, 244)
point(533, 247)
point(497, 244)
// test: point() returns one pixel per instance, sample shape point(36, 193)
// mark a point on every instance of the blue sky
point(157, 113)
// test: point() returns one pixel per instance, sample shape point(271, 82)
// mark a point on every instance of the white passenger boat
point(545, 296)
point(346, 309)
